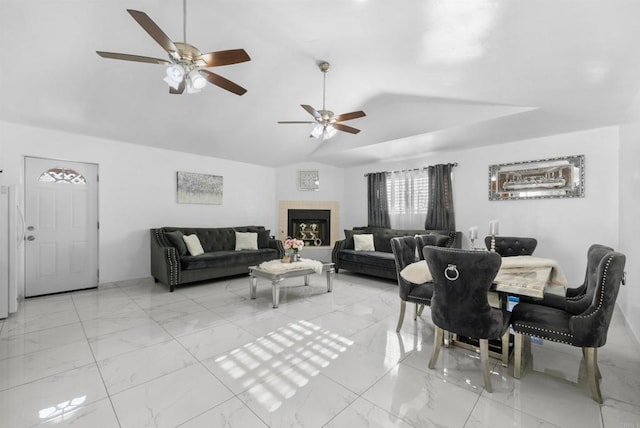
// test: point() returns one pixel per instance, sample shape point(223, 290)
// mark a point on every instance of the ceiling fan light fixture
point(329, 132)
point(172, 83)
point(197, 81)
point(317, 131)
point(175, 72)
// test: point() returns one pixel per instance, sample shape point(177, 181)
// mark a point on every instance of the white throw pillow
point(246, 241)
point(417, 273)
point(193, 244)
point(363, 242)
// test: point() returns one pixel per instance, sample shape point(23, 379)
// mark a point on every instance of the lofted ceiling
point(430, 75)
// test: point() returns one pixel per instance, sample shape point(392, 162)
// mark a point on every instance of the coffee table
point(277, 277)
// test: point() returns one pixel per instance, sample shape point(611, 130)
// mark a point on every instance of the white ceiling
point(430, 75)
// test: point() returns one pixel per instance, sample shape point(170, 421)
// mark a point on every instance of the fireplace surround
point(324, 214)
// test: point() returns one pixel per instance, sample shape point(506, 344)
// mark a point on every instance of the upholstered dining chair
point(404, 251)
point(461, 280)
point(430, 239)
point(576, 299)
point(587, 330)
point(508, 246)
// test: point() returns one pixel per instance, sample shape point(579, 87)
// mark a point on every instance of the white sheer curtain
point(408, 197)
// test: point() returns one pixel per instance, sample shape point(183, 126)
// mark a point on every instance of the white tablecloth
point(525, 275)
point(276, 266)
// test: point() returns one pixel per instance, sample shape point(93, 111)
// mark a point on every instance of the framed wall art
point(308, 180)
point(546, 178)
point(199, 188)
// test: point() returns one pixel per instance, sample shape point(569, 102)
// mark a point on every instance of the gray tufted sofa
point(172, 264)
point(381, 262)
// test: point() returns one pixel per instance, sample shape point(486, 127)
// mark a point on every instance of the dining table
point(518, 276)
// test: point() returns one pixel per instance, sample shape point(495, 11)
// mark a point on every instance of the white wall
point(629, 175)
point(564, 227)
point(331, 185)
point(137, 191)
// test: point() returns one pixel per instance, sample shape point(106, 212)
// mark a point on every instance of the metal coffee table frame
point(277, 278)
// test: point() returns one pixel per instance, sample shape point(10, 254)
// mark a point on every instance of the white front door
point(61, 211)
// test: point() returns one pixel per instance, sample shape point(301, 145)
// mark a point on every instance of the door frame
point(24, 198)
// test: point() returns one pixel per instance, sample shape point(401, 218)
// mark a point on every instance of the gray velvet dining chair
point(587, 330)
point(508, 246)
point(461, 280)
point(404, 252)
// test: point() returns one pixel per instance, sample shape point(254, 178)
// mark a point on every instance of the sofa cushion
point(193, 244)
point(363, 242)
point(264, 235)
point(222, 259)
point(370, 258)
point(175, 239)
point(349, 244)
point(246, 241)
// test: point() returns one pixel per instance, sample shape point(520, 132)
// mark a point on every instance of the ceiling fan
point(185, 68)
point(327, 123)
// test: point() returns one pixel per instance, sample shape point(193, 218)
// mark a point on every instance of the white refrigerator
point(11, 236)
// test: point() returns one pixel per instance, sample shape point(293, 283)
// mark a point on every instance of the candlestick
point(473, 235)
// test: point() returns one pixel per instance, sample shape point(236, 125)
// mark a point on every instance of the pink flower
point(293, 244)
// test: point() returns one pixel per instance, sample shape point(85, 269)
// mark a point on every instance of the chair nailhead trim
point(602, 284)
point(546, 338)
point(542, 329)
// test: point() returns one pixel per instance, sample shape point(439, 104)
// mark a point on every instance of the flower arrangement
point(294, 245)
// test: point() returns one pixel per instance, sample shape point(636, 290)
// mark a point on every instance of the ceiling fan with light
point(326, 122)
point(186, 66)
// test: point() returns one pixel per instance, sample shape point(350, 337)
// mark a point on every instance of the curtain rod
point(406, 170)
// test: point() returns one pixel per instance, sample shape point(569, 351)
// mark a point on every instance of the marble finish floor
point(131, 354)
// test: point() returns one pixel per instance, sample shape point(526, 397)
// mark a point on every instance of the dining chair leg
point(592, 368)
point(415, 312)
point(437, 343)
point(403, 307)
point(517, 355)
point(584, 355)
point(505, 348)
point(484, 359)
point(420, 309)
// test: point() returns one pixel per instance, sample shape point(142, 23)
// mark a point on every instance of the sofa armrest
point(276, 244)
point(337, 247)
point(165, 263)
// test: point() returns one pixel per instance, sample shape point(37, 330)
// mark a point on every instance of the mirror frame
point(561, 177)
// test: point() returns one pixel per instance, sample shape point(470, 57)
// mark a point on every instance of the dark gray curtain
point(440, 213)
point(378, 208)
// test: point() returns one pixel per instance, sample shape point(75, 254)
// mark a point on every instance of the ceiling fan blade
point(135, 58)
point(233, 56)
point(179, 90)
point(154, 31)
point(345, 128)
point(313, 112)
point(222, 82)
point(295, 121)
point(349, 116)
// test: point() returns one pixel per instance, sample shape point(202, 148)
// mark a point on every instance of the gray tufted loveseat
point(172, 264)
point(381, 262)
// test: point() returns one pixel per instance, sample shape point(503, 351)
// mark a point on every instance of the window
point(408, 198)
point(61, 175)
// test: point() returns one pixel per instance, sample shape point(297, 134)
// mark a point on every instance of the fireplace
point(333, 225)
point(313, 226)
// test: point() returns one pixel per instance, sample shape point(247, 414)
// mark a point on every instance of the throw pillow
point(175, 239)
point(246, 241)
point(417, 273)
point(193, 244)
point(348, 235)
point(363, 242)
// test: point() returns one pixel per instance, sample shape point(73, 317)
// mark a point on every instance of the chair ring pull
point(454, 269)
